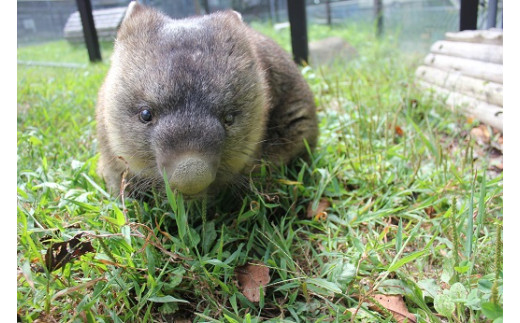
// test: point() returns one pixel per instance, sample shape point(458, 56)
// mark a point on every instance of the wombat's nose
point(191, 174)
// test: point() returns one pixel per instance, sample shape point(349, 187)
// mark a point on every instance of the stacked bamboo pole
point(466, 69)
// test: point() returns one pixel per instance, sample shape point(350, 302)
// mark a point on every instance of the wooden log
point(486, 113)
point(481, 70)
point(481, 52)
point(486, 91)
point(491, 36)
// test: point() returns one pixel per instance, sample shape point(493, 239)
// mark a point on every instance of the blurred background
point(415, 23)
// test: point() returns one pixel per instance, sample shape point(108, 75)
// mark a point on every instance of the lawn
point(399, 206)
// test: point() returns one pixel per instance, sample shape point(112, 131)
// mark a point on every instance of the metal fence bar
point(378, 12)
point(89, 30)
point(298, 20)
point(468, 14)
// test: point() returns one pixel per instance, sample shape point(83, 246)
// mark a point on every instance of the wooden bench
point(107, 22)
point(466, 69)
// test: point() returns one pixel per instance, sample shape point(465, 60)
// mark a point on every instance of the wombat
point(200, 99)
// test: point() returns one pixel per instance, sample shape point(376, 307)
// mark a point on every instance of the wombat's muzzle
point(191, 174)
point(188, 149)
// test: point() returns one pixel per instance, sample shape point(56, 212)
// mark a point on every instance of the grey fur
point(219, 93)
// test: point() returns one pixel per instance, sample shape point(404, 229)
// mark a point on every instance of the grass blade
point(469, 228)
point(399, 236)
point(169, 193)
point(481, 204)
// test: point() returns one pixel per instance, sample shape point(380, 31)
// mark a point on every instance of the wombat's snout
point(191, 174)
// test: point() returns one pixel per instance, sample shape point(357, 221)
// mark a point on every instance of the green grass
point(61, 52)
point(411, 211)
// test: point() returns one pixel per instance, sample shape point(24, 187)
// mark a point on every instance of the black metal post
point(298, 21)
point(378, 12)
point(205, 5)
point(492, 14)
point(89, 30)
point(329, 15)
point(468, 14)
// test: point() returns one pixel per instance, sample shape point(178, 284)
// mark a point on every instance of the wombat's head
point(184, 97)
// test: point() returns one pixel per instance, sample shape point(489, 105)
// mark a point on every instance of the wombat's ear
point(133, 8)
point(228, 15)
point(238, 14)
point(139, 19)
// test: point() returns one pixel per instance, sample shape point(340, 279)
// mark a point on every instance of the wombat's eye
point(145, 116)
point(229, 119)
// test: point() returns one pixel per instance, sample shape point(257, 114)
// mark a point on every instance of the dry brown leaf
point(27, 279)
point(46, 318)
point(430, 211)
point(497, 164)
point(385, 231)
point(481, 134)
point(251, 276)
point(395, 304)
point(319, 213)
point(399, 131)
point(61, 253)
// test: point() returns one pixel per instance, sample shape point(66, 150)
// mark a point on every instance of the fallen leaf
point(320, 217)
point(499, 167)
point(61, 253)
point(319, 214)
point(430, 211)
point(26, 273)
point(385, 232)
point(399, 131)
point(481, 134)
point(395, 304)
point(496, 164)
point(250, 277)
point(46, 318)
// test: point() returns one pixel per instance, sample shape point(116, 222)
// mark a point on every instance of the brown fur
point(192, 74)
